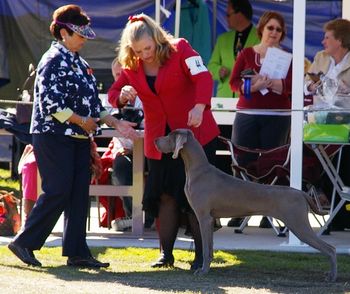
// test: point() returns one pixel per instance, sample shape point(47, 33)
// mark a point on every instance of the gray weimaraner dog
point(214, 194)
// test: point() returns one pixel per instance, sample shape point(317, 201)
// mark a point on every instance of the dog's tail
point(314, 207)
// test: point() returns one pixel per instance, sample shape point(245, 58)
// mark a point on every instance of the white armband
point(195, 65)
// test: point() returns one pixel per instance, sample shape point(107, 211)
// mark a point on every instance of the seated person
point(121, 152)
point(334, 63)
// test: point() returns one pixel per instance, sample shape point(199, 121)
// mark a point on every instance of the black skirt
point(167, 176)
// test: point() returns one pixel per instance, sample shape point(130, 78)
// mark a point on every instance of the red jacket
point(182, 82)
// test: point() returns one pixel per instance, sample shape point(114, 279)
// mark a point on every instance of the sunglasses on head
point(272, 28)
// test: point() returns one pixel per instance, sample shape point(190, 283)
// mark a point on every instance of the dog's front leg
point(205, 225)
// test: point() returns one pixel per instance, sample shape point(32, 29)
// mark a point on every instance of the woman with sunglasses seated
point(257, 125)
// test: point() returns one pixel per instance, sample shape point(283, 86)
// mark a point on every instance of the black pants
point(259, 131)
point(64, 166)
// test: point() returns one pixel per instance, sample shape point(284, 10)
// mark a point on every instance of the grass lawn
point(231, 272)
point(130, 271)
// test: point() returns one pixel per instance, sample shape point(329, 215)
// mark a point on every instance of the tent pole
point(299, 15)
point(157, 11)
point(346, 9)
point(177, 18)
point(215, 12)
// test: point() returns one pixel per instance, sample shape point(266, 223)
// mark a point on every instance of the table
point(332, 172)
point(135, 190)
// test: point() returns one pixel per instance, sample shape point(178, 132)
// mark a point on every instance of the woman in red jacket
point(175, 89)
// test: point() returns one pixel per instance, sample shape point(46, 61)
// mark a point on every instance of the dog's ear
point(180, 140)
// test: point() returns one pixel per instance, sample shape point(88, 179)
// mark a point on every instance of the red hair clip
point(133, 18)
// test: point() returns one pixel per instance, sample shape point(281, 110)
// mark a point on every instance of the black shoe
point(86, 262)
point(264, 223)
point(196, 264)
point(235, 222)
point(164, 261)
point(24, 254)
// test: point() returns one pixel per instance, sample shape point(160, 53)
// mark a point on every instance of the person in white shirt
point(333, 63)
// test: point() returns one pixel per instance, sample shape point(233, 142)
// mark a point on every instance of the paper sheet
point(275, 65)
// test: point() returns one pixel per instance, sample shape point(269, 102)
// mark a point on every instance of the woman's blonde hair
point(137, 26)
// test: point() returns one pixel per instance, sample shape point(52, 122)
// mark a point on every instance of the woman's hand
point(223, 72)
point(125, 128)
point(195, 116)
point(313, 86)
point(90, 125)
point(128, 93)
point(260, 82)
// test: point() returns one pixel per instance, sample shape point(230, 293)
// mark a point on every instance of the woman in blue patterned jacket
point(66, 113)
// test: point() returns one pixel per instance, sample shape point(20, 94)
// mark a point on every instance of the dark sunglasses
point(277, 29)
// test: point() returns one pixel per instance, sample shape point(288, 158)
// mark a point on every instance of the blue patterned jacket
point(64, 83)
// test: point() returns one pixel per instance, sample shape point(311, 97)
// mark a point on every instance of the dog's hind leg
point(205, 224)
point(300, 226)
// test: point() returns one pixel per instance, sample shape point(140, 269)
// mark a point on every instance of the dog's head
point(173, 142)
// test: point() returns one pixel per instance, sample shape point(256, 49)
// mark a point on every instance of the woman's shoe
point(24, 254)
point(164, 261)
point(86, 262)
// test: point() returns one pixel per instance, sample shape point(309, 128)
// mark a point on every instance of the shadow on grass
point(269, 271)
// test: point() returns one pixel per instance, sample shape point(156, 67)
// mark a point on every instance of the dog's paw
point(201, 272)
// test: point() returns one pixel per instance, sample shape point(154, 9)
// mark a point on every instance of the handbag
point(10, 220)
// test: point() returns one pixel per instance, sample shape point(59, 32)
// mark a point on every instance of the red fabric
point(270, 164)
point(117, 211)
point(29, 177)
point(177, 92)
point(247, 58)
point(96, 165)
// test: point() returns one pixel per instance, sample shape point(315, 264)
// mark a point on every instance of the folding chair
point(270, 168)
point(324, 154)
point(273, 167)
point(311, 181)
